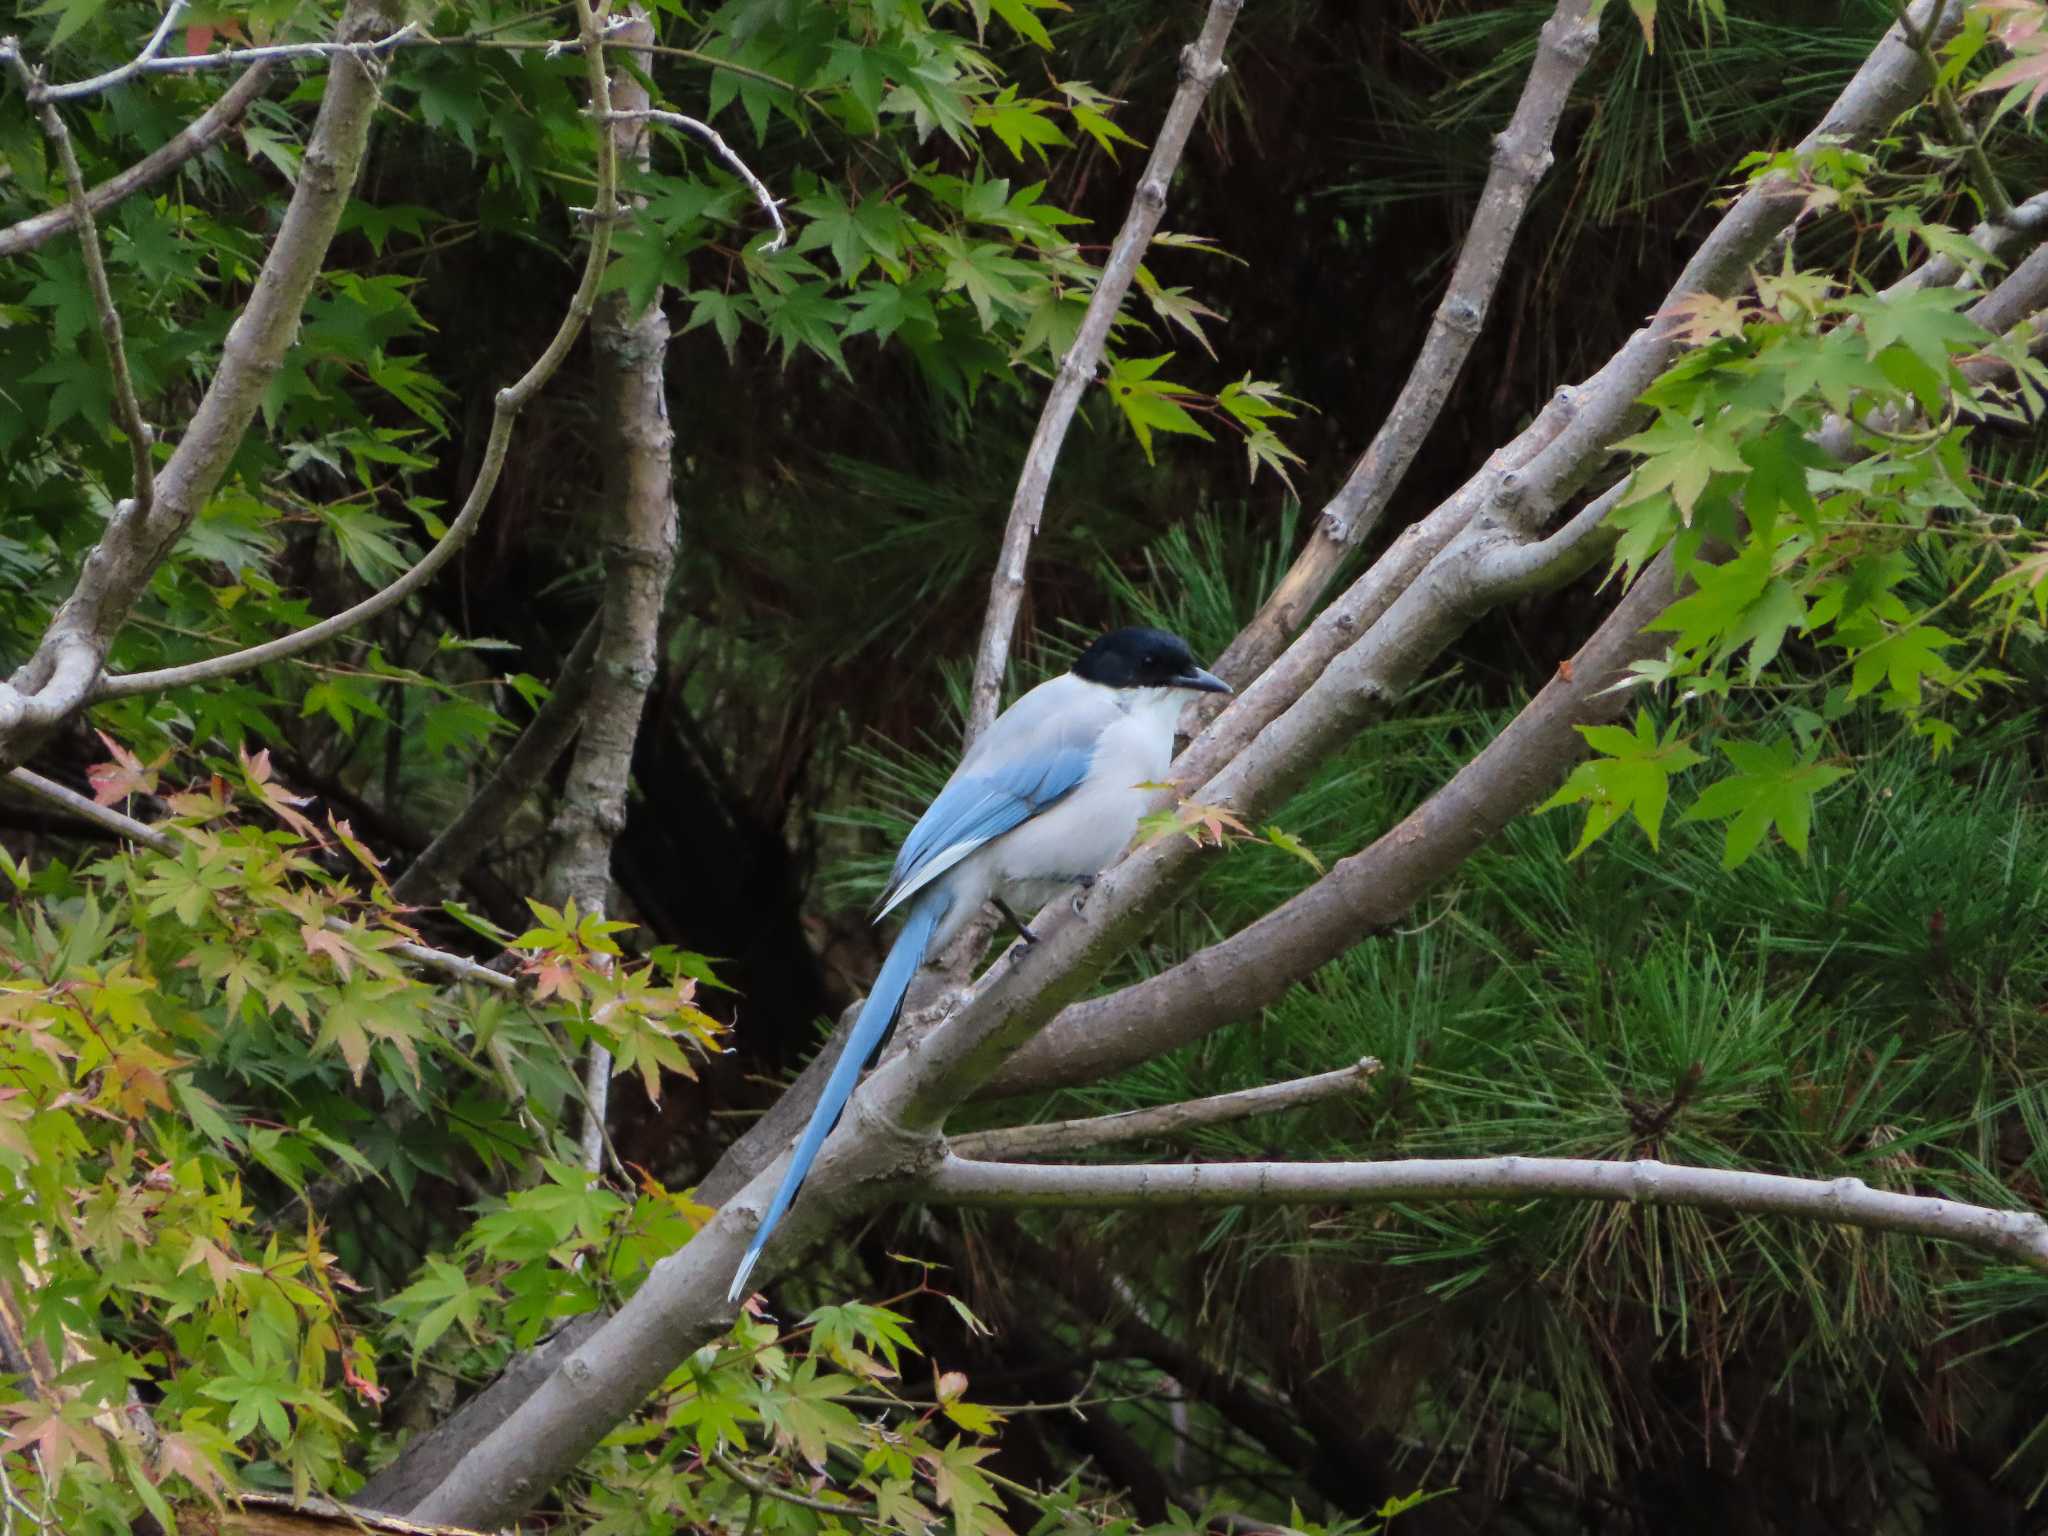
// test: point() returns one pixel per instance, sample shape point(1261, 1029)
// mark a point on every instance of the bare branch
point(114, 77)
point(1370, 890)
point(126, 405)
point(59, 677)
point(197, 136)
point(1201, 66)
point(639, 522)
point(443, 860)
point(710, 135)
point(1521, 156)
point(1528, 480)
point(272, 53)
point(108, 819)
point(1059, 1137)
point(2011, 1234)
point(510, 402)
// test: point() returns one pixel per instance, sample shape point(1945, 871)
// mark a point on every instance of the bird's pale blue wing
point(979, 806)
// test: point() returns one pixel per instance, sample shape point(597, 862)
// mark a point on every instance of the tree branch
point(1370, 890)
point(509, 403)
point(474, 828)
point(1521, 156)
point(2011, 1234)
point(770, 204)
point(1529, 479)
point(1201, 66)
point(639, 514)
point(42, 94)
point(126, 405)
point(108, 819)
point(1059, 1137)
point(58, 679)
point(197, 136)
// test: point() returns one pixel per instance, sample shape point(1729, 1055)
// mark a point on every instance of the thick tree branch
point(1521, 156)
point(108, 819)
point(2010, 1234)
point(1201, 66)
point(197, 136)
point(639, 515)
point(1530, 478)
point(58, 679)
point(482, 820)
point(1060, 1137)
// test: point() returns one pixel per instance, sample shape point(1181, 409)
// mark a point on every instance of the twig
point(1063, 1136)
point(128, 407)
point(1201, 66)
point(442, 861)
point(114, 77)
point(725, 152)
point(2012, 1234)
point(127, 684)
point(767, 1490)
point(269, 53)
point(1521, 156)
point(200, 134)
point(108, 819)
point(1996, 199)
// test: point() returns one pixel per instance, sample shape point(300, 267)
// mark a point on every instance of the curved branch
point(1064, 1136)
point(58, 679)
point(710, 135)
point(197, 136)
point(1201, 66)
point(114, 77)
point(2011, 1234)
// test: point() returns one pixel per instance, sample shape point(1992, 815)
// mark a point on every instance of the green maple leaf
point(1680, 457)
point(1926, 321)
point(1773, 786)
point(1902, 659)
point(1632, 776)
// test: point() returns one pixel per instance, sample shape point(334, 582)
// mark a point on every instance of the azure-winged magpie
point(1043, 800)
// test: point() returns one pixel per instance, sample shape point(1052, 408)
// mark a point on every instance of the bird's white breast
point(1085, 832)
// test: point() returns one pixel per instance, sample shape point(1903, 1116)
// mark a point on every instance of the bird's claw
point(1080, 903)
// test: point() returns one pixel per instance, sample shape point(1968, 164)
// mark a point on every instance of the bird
point(1043, 800)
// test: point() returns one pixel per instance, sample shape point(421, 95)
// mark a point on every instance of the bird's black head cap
point(1145, 658)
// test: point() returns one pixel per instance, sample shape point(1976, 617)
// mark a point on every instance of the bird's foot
point(1023, 928)
point(1087, 884)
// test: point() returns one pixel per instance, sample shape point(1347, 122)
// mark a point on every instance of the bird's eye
point(1155, 660)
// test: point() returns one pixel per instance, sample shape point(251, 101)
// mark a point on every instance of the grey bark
point(1201, 66)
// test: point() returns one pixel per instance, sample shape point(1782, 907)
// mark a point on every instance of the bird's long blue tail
point(876, 1015)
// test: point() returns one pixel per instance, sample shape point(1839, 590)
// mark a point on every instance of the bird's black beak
point(1201, 681)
